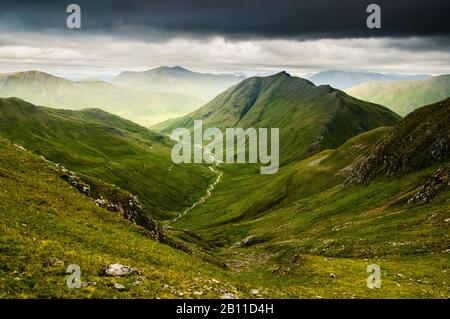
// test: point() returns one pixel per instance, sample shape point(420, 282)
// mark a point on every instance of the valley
point(357, 185)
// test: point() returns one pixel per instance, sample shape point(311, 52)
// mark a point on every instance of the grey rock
point(116, 270)
point(55, 262)
point(227, 295)
point(119, 286)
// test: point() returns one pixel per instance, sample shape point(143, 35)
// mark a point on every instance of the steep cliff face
point(420, 140)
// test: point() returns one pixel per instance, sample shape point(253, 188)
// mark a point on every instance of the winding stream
point(210, 188)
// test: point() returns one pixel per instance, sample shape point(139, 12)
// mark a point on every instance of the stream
point(211, 186)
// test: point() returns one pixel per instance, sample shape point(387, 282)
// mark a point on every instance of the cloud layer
point(256, 36)
point(241, 19)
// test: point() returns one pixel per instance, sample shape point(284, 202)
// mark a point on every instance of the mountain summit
point(178, 80)
point(310, 118)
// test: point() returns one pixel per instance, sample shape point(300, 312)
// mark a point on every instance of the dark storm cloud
point(235, 19)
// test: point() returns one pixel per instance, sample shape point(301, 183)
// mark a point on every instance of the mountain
point(310, 118)
point(104, 146)
point(305, 228)
point(345, 79)
point(404, 97)
point(178, 80)
point(141, 106)
point(299, 233)
point(420, 140)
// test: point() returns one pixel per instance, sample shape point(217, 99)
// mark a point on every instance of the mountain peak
point(32, 73)
point(309, 118)
point(281, 74)
point(170, 70)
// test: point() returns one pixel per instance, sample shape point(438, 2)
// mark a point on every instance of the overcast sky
point(250, 37)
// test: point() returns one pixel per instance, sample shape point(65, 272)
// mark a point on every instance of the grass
point(104, 146)
point(57, 222)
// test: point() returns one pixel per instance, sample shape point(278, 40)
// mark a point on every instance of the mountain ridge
point(178, 80)
point(141, 106)
point(309, 116)
point(418, 141)
point(345, 79)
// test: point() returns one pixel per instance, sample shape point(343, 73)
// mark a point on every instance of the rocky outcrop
point(435, 185)
point(114, 199)
point(420, 140)
point(249, 241)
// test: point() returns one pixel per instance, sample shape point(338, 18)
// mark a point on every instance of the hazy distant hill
point(404, 97)
point(310, 118)
point(141, 106)
point(344, 79)
point(178, 80)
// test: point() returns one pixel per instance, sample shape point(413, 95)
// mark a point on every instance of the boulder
point(116, 270)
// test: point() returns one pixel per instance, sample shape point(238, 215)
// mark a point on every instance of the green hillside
point(422, 139)
point(310, 118)
point(404, 97)
point(101, 145)
point(316, 247)
point(141, 106)
point(305, 232)
point(45, 225)
point(301, 230)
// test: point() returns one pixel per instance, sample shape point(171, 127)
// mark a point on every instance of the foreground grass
point(43, 219)
point(316, 238)
point(313, 245)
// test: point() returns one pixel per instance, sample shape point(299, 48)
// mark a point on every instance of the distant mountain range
point(178, 80)
point(404, 97)
point(310, 118)
point(142, 106)
point(345, 79)
point(144, 97)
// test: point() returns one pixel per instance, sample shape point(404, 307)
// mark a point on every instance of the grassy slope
point(420, 140)
point(316, 228)
point(310, 118)
point(305, 226)
point(98, 144)
point(404, 97)
point(42, 218)
point(141, 106)
point(295, 181)
point(341, 232)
